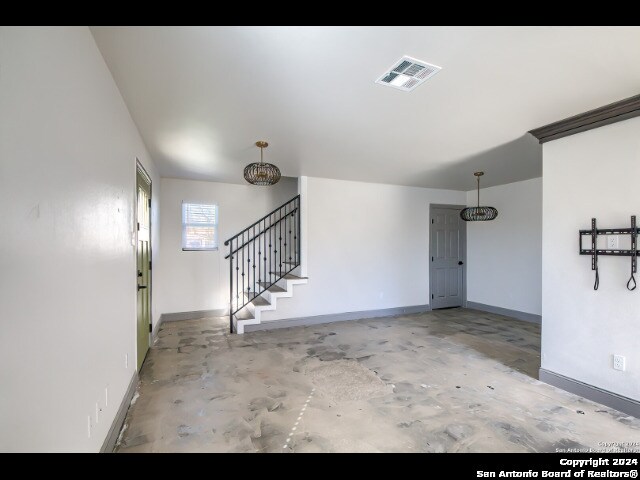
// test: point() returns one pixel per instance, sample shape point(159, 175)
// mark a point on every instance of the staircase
point(264, 264)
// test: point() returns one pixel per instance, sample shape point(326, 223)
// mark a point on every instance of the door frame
point(464, 251)
point(140, 169)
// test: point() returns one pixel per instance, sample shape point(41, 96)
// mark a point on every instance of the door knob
point(460, 262)
point(140, 287)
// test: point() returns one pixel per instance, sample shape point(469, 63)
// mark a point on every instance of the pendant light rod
point(478, 175)
point(261, 144)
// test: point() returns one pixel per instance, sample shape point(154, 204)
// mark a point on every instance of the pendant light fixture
point(261, 173)
point(478, 214)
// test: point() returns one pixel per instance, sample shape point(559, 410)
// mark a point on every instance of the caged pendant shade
point(478, 214)
point(261, 173)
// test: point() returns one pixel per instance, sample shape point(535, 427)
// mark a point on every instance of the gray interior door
point(446, 275)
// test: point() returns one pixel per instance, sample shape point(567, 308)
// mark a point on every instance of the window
point(199, 226)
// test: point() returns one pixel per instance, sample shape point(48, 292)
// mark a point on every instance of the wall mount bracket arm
point(595, 252)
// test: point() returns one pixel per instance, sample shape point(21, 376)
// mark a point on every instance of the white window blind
point(199, 226)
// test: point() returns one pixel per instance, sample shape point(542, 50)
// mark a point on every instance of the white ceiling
point(201, 97)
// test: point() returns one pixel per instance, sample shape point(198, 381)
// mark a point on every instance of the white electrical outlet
point(126, 360)
point(618, 362)
point(106, 396)
point(612, 242)
point(89, 426)
point(381, 294)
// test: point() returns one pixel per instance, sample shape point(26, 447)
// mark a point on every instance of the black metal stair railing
point(262, 254)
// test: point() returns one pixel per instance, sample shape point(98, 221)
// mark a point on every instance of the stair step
point(290, 276)
point(244, 314)
point(291, 263)
point(260, 302)
point(250, 294)
point(272, 288)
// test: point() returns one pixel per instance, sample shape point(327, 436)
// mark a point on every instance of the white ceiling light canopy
point(407, 73)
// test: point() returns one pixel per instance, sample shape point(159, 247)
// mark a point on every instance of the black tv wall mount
point(596, 252)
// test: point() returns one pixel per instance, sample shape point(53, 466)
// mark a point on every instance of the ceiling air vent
point(407, 74)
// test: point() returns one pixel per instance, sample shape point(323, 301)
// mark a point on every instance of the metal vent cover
point(407, 73)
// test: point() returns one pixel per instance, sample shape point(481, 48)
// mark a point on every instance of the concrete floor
point(445, 381)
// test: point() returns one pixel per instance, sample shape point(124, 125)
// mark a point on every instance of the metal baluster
point(295, 245)
point(283, 267)
point(289, 230)
point(280, 244)
point(274, 248)
point(286, 243)
point(244, 289)
point(289, 257)
point(253, 261)
point(298, 217)
point(271, 254)
point(235, 310)
point(248, 262)
point(259, 258)
point(231, 290)
point(274, 252)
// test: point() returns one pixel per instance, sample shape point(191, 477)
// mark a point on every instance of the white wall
point(367, 247)
point(67, 262)
point(591, 174)
point(504, 256)
point(192, 281)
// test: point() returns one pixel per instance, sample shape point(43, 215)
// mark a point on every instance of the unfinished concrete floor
point(445, 381)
